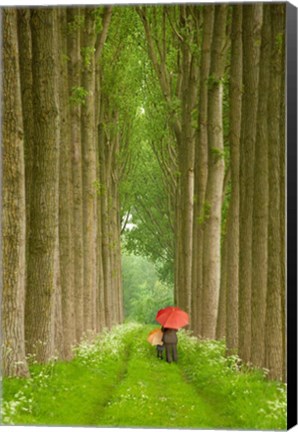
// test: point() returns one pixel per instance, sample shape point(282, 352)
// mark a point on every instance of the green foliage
point(152, 233)
point(154, 394)
point(205, 213)
point(143, 293)
point(70, 393)
point(241, 393)
point(279, 41)
point(76, 24)
point(212, 81)
point(98, 15)
point(100, 188)
point(217, 154)
point(87, 53)
point(129, 85)
point(149, 300)
point(225, 210)
point(78, 96)
point(175, 106)
point(117, 380)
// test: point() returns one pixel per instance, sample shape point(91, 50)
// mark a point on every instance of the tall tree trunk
point(44, 198)
point(13, 210)
point(106, 259)
point(57, 320)
point(186, 148)
point(101, 318)
point(252, 20)
point(214, 188)
point(74, 82)
point(201, 169)
point(65, 197)
point(25, 53)
point(233, 214)
point(100, 290)
point(283, 203)
point(274, 355)
point(221, 316)
point(89, 170)
point(260, 203)
point(115, 221)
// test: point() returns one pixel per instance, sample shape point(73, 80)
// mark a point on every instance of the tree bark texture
point(233, 214)
point(25, 56)
point(214, 188)
point(101, 319)
point(260, 202)
point(221, 315)
point(283, 201)
point(274, 355)
point(252, 20)
point(89, 170)
point(106, 258)
point(186, 156)
point(201, 169)
point(44, 197)
point(65, 196)
point(74, 82)
point(13, 210)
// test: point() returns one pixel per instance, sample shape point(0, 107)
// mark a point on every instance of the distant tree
point(144, 294)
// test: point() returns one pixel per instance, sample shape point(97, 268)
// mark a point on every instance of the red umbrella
point(172, 317)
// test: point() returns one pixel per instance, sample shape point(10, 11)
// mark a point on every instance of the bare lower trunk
point(252, 20)
point(14, 211)
point(201, 169)
point(89, 172)
point(221, 316)
point(233, 215)
point(260, 204)
point(274, 355)
point(74, 66)
point(44, 198)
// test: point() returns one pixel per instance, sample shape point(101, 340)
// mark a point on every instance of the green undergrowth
point(241, 393)
point(118, 381)
point(70, 393)
point(154, 394)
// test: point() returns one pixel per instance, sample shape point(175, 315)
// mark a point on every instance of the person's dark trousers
point(159, 349)
point(171, 351)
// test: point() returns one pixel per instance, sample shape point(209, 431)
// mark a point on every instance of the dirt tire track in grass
point(154, 393)
point(112, 387)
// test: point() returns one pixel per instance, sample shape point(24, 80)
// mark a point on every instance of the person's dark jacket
point(170, 336)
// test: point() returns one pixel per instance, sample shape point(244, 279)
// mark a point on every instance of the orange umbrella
point(155, 337)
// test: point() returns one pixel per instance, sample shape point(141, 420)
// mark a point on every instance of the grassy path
point(154, 393)
point(119, 381)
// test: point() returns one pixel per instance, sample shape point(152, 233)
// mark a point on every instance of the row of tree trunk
point(61, 233)
point(221, 74)
point(229, 130)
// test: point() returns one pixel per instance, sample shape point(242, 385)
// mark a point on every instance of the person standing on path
point(170, 343)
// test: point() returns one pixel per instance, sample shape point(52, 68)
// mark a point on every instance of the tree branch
point(101, 38)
